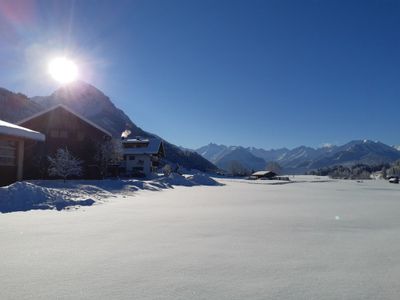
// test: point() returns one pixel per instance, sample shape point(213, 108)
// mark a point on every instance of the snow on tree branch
point(64, 164)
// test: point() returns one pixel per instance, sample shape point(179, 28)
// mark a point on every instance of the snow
point(305, 240)
point(57, 194)
point(22, 196)
point(201, 179)
point(153, 146)
point(18, 131)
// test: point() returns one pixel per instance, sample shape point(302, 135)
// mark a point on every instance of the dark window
point(136, 145)
point(7, 153)
point(131, 157)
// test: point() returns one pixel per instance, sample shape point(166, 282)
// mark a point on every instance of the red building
point(63, 128)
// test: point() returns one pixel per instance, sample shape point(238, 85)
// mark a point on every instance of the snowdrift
point(193, 180)
point(23, 196)
point(55, 194)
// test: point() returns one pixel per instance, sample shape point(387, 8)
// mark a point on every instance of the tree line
point(359, 171)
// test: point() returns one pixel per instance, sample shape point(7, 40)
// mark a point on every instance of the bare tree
point(109, 152)
point(235, 168)
point(64, 164)
point(274, 167)
point(167, 170)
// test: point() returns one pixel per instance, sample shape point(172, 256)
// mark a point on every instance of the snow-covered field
point(310, 239)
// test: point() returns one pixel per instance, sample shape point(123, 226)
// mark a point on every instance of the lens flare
point(63, 70)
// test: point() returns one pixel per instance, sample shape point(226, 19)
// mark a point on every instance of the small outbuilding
point(263, 175)
point(12, 141)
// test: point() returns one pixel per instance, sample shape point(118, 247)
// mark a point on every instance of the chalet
point(263, 175)
point(63, 128)
point(141, 156)
point(12, 141)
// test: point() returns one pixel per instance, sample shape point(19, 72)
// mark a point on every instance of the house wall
point(11, 159)
point(63, 130)
point(140, 161)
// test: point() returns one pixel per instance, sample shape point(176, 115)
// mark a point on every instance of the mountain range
point(93, 104)
point(97, 107)
point(303, 158)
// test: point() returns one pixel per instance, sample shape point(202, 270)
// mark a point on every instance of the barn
point(12, 141)
point(264, 175)
point(63, 128)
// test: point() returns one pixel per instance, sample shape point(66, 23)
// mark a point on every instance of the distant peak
point(78, 86)
point(328, 145)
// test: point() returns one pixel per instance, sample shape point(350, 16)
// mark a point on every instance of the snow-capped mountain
point(97, 107)
point(302, 159)
point(223, 156)
point(359, 151)
point(268, 155)
point(214, 152)
point(243, 157)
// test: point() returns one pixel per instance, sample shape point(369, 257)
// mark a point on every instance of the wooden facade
point(12, 141)
point(63, 129)
point(11, 159)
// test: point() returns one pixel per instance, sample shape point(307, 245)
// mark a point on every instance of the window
point(136, 145)
point(131, 157)
point(8, 153)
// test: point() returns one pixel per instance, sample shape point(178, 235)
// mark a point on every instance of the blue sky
point(253, 73)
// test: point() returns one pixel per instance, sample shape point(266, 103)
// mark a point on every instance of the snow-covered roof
point(262, 173)
point(21, 132)
point(152, 146)
point(69, 110)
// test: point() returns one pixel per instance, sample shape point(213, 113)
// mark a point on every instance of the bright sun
point(63, 70)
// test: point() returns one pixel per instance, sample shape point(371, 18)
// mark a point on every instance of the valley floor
point(243, 240)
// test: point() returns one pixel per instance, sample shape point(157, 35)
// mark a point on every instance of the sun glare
point(63, 70)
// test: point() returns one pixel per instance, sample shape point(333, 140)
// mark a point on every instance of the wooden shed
point(12, 141)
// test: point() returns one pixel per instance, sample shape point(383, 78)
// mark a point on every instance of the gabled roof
point(70, 111)
point(19, 131)
point(263, 173)
point(153, 146)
